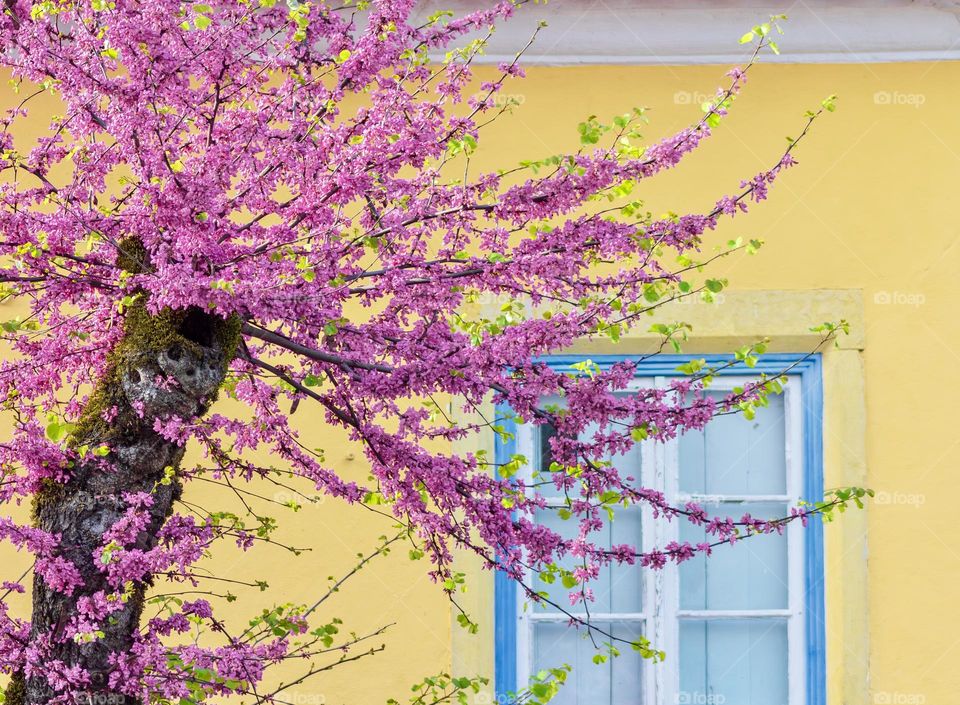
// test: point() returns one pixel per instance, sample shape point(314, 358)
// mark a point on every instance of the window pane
point(616, 682)
point(750, 574)
point(735, 456)
point(544, 457)
point(736, 662)
point(628, 464)
point(619, 587)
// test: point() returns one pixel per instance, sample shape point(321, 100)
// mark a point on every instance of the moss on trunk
point(169, 364)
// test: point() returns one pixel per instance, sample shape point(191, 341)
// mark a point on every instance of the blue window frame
point(803, 369)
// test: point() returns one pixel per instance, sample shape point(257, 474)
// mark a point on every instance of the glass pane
point(618, 589)
point(736, 662)
point(735, 456)
point(750, 574)
point(544, 455)
point(616, 682)
point(628, 464)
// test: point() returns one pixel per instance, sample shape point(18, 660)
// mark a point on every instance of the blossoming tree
point(267, 201)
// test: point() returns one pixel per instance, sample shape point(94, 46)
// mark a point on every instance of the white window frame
point(661, 614)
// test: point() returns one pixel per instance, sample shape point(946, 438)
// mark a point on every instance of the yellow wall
point(870, 208)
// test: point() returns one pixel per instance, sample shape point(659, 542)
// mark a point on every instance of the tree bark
point(168, 365)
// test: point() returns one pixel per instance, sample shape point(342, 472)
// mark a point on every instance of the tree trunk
point(191, 349)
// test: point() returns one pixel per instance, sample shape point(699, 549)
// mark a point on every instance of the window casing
point(765, 591)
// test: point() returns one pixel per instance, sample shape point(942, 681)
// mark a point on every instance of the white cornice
point(698, 32)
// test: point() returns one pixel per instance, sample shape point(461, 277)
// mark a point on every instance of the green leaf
point(54, 431)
